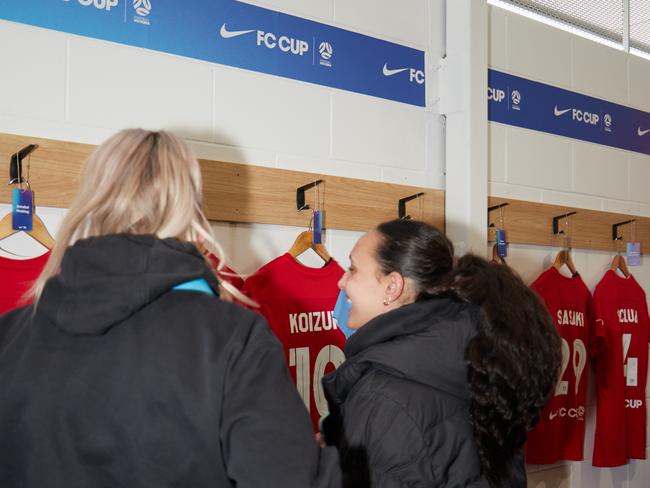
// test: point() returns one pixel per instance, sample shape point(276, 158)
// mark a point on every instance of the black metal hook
point(16, 164)
point(496, 207)
point(401, 206)
point(300, 194)
point(615, 236)
point(556, 229)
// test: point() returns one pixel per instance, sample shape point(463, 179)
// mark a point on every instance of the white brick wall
point(546, 168)
point(73, 88)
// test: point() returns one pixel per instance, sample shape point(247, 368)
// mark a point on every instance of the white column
point(463, 99)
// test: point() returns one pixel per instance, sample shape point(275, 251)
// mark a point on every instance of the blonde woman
point(129, 371)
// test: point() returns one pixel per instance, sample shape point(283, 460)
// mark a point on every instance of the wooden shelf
point(532, 223)
point(236, 192)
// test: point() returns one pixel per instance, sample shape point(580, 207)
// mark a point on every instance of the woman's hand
point(320, 440)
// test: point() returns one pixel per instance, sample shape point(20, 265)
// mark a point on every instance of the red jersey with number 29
point(560, 432)
point(298, 301)
point(621, 319)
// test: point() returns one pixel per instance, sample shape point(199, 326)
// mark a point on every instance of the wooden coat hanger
point(496, 258)
point(564, 258)
point(305, 241)
point(618, 263)
point(39, 232)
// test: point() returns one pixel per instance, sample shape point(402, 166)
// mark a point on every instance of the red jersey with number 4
point(560, 432)
point(298, 302)
point(16, 278)
point(621, 318)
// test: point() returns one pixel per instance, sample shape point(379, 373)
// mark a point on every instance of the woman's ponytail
point(512, 362)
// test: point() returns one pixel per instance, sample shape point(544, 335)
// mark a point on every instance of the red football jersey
point(16, 277)
point(560, 432)
point(298, 301)
point(621, 319)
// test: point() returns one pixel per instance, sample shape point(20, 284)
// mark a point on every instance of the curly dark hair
point(512, 362)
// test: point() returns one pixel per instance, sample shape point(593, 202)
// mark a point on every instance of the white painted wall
point(545, 168)
point(67, 87)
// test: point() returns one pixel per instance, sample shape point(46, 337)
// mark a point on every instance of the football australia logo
point(607, 120)
point(326, 52)
point(516, 99)
point(142, 9)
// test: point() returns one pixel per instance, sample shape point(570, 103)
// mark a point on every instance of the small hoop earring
point(386, 302)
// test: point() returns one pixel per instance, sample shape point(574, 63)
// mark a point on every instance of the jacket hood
point(104, 280)
point(423, 342)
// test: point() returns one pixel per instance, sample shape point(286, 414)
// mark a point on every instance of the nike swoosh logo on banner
point(642, 132)
point(226, 34)
point(390, 72)
point(560, 112)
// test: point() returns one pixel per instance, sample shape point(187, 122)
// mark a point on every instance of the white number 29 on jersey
point(579, 361)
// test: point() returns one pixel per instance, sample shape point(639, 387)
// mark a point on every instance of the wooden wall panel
point(531, 223)
point(235, 192)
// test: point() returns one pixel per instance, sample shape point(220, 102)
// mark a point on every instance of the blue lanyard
point(199, 285)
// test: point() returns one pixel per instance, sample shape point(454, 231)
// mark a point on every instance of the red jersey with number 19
point(298, 301)
point(560, 432)
point(621, 319)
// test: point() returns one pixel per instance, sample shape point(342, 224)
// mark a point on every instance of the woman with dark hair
point(448, 369)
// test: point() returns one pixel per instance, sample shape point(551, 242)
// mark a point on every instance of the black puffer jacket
point(399, 405)
point(116, 380)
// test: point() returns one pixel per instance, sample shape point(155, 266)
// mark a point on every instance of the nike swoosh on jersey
point(642, 132)
point(560, 112)
point(390, 72)
point(551, 416)
point(226, 34)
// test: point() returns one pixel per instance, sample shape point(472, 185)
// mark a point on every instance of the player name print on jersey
point(628, 316)
point(570, 317)
point(298, 302)
point(623, 328)
point(322, 321)
point(559, 434)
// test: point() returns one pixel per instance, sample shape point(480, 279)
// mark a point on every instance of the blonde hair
point(138, 182)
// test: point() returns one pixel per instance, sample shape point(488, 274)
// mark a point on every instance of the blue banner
point(524, 103)
point(240, 35)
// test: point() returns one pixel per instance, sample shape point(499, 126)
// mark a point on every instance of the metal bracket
point(401, 206)
point(496, 207)
point(615, 236)
point(556, 229)
point(300, 194)
point(16, 164)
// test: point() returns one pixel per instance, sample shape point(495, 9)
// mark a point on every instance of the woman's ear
point(394, 286)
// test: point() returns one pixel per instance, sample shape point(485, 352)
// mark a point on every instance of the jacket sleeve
point(381, 446)
point(266, 432)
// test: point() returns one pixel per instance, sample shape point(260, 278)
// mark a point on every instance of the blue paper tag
point(502, 245)
point(341, 312)
point(21, 209)
point(634, 254)
point(318, 226)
